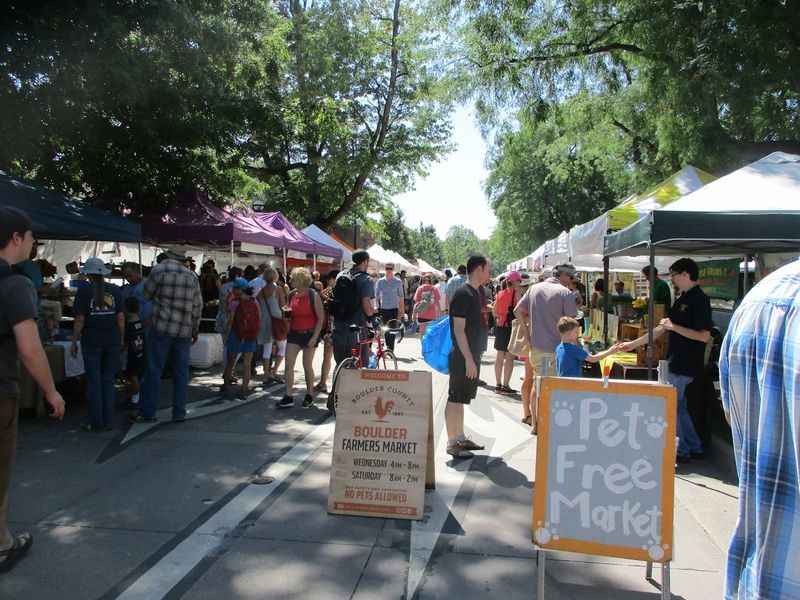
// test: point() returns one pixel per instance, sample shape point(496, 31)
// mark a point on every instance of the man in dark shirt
point(342, 337)
point(19, 340)
point(662, 294)
point(689, 325)
point(468, 329)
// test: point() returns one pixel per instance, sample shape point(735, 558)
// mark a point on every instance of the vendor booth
point(318, 235)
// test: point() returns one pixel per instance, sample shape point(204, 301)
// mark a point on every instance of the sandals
point(19, 548)
point(527, 420)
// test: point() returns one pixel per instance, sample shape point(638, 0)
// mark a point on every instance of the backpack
point(437, 344)
point(426, 301)
point(246, 320)
point(344, 302)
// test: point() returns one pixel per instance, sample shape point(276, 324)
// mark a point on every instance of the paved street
point(169, 512)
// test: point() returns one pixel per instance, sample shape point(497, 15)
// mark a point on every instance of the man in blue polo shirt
point(389, 294)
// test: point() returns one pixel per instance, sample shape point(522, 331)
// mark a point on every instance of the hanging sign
point(257, 249)
point(296, 254)
point(605, 468)
point(382, 444)
point(720, 278)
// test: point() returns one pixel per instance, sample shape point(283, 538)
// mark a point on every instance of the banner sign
point(382, 444)
point(605, 468)
point(296, 254)
point(720, 278)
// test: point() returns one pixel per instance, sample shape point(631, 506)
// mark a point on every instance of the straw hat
point(95, 266)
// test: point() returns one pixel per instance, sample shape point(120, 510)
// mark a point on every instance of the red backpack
point(247, 320)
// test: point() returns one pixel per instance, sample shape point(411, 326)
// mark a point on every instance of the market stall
point(318, 235)
point(754, 210)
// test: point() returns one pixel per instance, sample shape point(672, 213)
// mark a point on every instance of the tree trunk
point(381, 130)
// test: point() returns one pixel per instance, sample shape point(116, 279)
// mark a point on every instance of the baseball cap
point(240, 283)
point(514, 277)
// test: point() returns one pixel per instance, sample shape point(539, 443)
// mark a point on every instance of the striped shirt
point(177, 301)
point(760, 384)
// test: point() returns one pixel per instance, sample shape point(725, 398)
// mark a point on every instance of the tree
point(127, 103)
point(428, 246)
point(459, 244)
point(707, 83)
point(395, 235)
point(358, 111)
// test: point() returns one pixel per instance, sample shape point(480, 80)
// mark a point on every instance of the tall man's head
point(360, 260)
point(389, 268)
point(479, 270)
point(16, 235)
point(131, 273)
point(684, 273)
point(565, 274)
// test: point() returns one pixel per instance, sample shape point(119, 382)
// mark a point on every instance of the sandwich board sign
point(605, 468)
point(383, 445)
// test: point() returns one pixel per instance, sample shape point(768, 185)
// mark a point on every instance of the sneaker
point(308, 401)
point(509, 390)
point(527, 420)
point(242, 394)
point(321, 388)
point(285, 402)
point(457, 450)
point(468, 444)
point(498, 389)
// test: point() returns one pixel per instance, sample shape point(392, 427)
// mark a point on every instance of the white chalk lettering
point(633, 418)
point(591, 408)
point(639, 469)
point(562, 462)
point(606, 433)
point(581, 501)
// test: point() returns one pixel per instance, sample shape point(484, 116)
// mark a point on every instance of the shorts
point(461, 389)
point(542, 363)
point(237, 346)
point(502, 338)
point(301, 338)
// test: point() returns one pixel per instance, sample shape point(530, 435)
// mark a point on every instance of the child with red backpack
point(243, 326)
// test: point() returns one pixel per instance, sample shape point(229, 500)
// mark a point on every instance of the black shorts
point(301, 338)
point(461, 390)
point(502, 337)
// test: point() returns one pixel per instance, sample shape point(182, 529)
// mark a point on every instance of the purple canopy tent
point(195, 219)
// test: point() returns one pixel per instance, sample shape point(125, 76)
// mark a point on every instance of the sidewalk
point(170, 513)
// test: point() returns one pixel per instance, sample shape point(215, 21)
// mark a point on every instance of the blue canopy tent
point(59, 217)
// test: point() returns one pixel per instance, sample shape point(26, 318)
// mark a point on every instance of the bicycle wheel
point(388, 361)
point(333, 397)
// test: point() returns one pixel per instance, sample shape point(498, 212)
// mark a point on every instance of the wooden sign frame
point(541, 493)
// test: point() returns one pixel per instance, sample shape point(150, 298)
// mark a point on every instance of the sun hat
point(95, 266)
point(514, 277)
point(240, 283)
point(525, 280)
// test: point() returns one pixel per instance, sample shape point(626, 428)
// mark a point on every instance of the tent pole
point(315, 262)
point(746, 274)
point(231, 252)
point(651, 312)
point(605, 299)
point(285, 274)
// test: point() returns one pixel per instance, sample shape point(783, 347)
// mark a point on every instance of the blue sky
point(452, 193)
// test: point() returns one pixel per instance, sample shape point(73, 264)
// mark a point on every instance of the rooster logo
point(382, 409)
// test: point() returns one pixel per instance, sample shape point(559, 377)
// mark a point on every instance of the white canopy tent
point(62, 252)
point(318, 235)
point(425, 267)
point(379, 257)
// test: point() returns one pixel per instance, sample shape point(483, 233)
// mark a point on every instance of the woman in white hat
point(100, 326)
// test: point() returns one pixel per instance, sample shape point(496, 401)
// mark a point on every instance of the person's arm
point(459, 329)
point(197, 312)
point(436, 300)
point(692, 334)
point(320, 312)
point(121, 326)
point(32, 355)
point(640, 341)
point(77, 329)
point(150, 286)
point(521, 311)
point(593, 358)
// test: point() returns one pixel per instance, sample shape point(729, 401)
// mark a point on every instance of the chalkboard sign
point(382, 453)
point(605, 468)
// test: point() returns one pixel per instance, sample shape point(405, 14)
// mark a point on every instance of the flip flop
point(19, 548)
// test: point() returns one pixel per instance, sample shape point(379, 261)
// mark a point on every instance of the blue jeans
point(102, 365)
point(688, 440)
point(159, 348)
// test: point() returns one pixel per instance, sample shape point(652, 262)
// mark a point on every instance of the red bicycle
point(382, 358)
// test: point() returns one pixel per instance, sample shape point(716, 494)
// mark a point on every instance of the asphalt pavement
point(170, 511)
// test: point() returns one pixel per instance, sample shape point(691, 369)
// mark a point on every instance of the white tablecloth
point(73, 365)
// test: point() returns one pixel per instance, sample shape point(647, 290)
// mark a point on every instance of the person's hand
point(312, 342)
point(667, 324)
point(57, 403)
point(73, 349)
point(194, 338)
point(472, 370)
point(625, 347)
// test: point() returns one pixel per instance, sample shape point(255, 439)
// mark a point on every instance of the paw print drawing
point(545, 534)
point(654, 551)
point(563, 413)
point(655, 426)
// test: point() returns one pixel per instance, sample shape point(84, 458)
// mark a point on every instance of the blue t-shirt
point(569, 359)
point(100, 329)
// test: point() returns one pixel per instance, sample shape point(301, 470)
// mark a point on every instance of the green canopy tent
point(59, 217)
